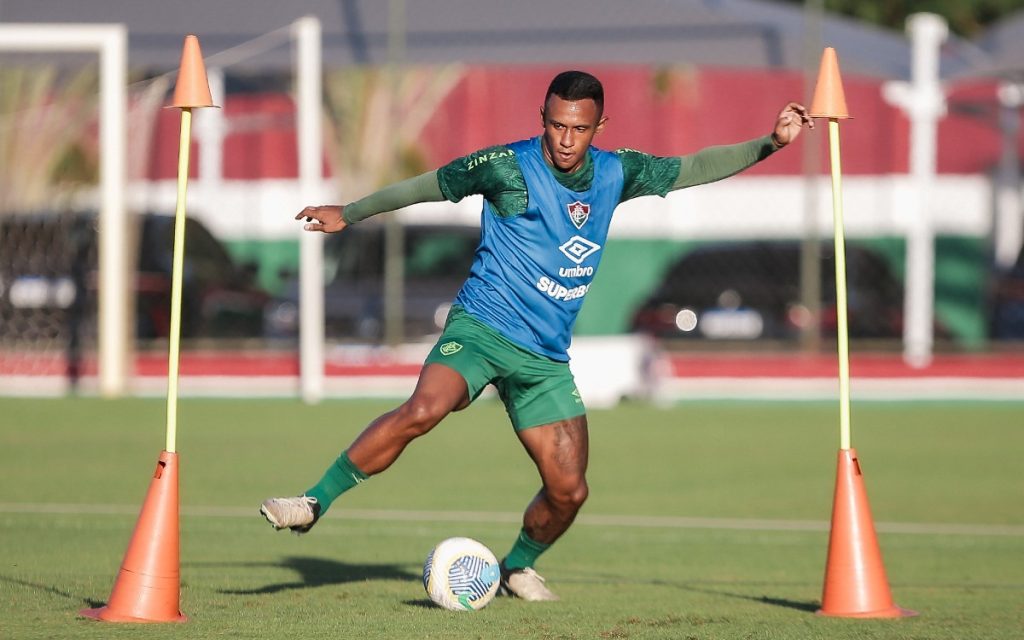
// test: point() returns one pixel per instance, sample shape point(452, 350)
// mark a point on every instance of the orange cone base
point(148, 585)
point(855, 581)
point(892, 612)
point(105, 614)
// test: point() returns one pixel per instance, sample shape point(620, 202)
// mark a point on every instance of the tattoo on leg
point(570, 451)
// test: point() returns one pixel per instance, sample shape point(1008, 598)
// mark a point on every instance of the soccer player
point(548, 202)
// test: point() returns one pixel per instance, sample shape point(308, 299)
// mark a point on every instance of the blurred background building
point(735, 266)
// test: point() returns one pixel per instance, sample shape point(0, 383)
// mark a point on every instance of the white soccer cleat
point(526, 584)
point(298, 514)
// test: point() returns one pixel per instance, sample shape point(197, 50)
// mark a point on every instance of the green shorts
point(535, 389)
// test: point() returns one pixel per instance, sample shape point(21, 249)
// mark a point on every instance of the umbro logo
point(579, 249)
point(579, 212)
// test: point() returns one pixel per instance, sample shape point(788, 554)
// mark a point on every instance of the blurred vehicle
point(437, 259)
point(1007, 320)
point(220, 297)
point(48, 279)
point(751, 291)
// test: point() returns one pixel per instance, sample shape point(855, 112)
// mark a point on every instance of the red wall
point(689, 111)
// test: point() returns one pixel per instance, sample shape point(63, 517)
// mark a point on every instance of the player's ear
point(543, 121)
point(600, 125)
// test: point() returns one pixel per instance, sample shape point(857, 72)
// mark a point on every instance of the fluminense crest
point(579, 212)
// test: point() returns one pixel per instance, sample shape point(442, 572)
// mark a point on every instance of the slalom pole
point(829, 101)
point(842, 325)
point(177, 271)
point(191, 91)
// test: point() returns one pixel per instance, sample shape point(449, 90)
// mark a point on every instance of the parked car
point(48, 279)
point(751, 290)
point(1007, 319)
point(437, 261)
point(221, 298)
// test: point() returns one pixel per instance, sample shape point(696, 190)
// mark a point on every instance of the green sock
point(524, 552)
point(339, 478)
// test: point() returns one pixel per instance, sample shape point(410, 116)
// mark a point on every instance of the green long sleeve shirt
point(495, 174)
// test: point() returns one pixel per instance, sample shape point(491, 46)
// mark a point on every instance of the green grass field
point(706, 521)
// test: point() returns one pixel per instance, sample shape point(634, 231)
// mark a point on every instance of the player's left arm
point(715, 163)
point(790, 121)
point(652, 175)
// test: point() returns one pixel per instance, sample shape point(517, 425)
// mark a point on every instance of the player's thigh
point(439, 390)
point(560, 450)
point(539, 391)
point(465, 348)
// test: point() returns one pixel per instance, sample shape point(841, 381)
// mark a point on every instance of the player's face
point(569, 127)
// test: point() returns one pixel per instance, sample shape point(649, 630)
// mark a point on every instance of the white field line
point(646, 522)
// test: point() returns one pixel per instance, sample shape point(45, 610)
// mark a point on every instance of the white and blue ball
point(461, 574)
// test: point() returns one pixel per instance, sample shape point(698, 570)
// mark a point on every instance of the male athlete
point(548, 202)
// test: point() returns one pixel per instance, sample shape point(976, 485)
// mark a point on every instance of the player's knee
point(569, 496)
point(422, 414)
point(580, 493)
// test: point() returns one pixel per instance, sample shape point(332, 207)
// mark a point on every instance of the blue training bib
point(532, 271)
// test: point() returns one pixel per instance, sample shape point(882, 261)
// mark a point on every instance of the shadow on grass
point(710, 588)
point(799, 605)
point(318, 572)
point(88, 602)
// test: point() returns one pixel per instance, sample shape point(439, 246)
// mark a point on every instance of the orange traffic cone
point(829, 99)
point(855, 582)
point(148, 585)
point(192, 88)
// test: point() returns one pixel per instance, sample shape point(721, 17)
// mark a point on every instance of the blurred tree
point(966, 18)
point(45, 120)
point(49, 133)
point(365, 128)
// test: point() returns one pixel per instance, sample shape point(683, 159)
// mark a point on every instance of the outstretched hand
point(328, 218)
point(791, 120)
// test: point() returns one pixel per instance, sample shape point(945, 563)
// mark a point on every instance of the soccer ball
point(461, 574)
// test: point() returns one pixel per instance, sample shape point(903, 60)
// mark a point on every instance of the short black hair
point(577, 85)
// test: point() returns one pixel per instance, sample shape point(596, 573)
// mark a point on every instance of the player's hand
point(328, 218)
point(791, 120)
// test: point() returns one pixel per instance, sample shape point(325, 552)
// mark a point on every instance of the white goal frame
point(110, 42)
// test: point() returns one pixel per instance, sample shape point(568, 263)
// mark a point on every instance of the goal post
point(309, 100)
point(110, 42)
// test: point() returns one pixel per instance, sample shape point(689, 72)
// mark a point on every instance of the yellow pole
point(840, 252)
point(177, 271)
point(192, 90)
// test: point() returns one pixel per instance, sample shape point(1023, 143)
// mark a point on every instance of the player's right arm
point(492, 172)
point(334, 218)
